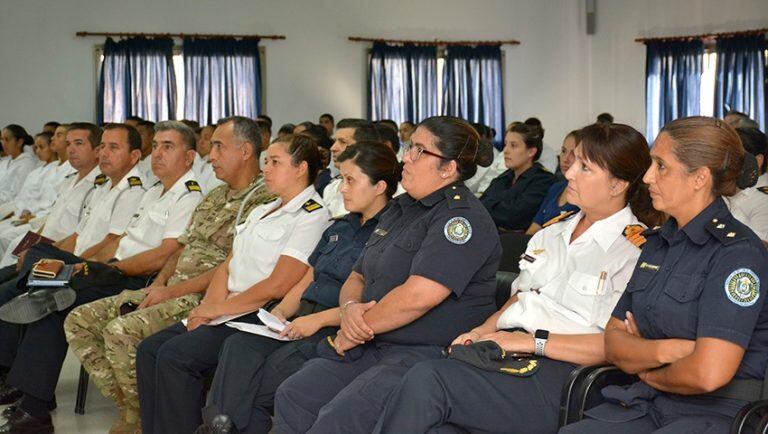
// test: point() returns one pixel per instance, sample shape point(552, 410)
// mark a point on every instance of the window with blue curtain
point(137, 79)
point(740, 77)
point(222, 77)
point(672, 82)
point(402, 83)
point(473, 86)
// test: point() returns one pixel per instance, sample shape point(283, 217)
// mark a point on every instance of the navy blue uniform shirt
point(447, 237)
point(549, 208)
point(335, 254)
point(513, 204)
point(706, 280)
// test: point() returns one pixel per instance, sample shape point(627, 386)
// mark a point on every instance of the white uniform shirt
point(561, 290)
point(292, 230)
point(17, 172)
point(73, 199)
point(205, 175)
point(52, 186)
point(762, 181)
point(32, 196)
point(109, 210)
point(484, 175)
point(750, 207)
point(160, 216)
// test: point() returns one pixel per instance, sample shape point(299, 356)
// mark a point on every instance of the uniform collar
point(605, 231)
point(536, 168)
point(180, 187)
point(91, 176)
point(696, 229)
point(297, 202)
point(436, 196)
point(354, 218)
point(257, 182)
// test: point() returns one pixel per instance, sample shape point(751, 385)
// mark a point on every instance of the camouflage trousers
point(106, 342)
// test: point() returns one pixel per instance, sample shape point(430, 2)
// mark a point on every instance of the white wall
point(558, 73)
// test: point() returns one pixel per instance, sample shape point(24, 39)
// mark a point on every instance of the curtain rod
point(435, 42)
point(704, 36)
point(177, 35)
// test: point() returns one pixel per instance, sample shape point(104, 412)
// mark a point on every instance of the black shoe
point(8, 411)
point(22, 422)
point(9, 395)
point(34, 306)
point(221, 424)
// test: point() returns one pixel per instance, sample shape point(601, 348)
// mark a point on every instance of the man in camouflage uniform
point(104, 335)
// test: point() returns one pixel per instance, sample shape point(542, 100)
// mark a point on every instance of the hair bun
point(749, 172)
point(484, 156)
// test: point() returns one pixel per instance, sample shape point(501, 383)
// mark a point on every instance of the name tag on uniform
point(333, 239)
point(647, 266)
point(381, 232)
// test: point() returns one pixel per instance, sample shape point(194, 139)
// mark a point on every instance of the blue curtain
point(402, 83)
point(473, 86)
point(222, 77)
point(137, 79)
point(740, 79)
point(672, 82)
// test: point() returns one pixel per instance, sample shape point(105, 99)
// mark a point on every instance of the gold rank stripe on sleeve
point(100, 179)
point(559, 218)
point(634, 234)
point(192, 185)
point(134, 181)
point(311, 206)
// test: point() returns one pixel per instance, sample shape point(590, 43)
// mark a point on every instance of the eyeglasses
point(415, 151)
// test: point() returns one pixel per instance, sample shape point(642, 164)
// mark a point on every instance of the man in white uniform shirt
point(149, 240)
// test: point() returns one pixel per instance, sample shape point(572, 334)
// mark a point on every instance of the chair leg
point(82, 391)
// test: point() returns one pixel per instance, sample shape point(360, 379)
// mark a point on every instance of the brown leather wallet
point(47, 268)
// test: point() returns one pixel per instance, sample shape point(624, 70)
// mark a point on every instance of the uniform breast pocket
point(583, 294)
point(154, 230)
point(679, 305)
point(270, 234)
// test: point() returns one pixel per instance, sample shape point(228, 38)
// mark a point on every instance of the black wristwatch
point(540, 340)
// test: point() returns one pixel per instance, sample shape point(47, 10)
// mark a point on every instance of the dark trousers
point(251, 367)
point(40, 355)
point(334, 396)
point(171, 368)
point(450, 395)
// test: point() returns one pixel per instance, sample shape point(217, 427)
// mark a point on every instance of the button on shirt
point(750, 206)
point(707, 279)
point(291, 230)
point(560, 288)
point(334, 256)
point(549, 208)
point(161, 215)
point(74, 197)
point(108, 212)
point(447, 237)
point(513, 204)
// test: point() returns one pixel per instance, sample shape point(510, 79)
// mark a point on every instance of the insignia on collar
point(647, 266)
point(562, 217)
point(311, 205)
point(192, 185)
point(134, 181)
point(634, 234)
point(743, 287)
point(100, 179)
point(333, 238)
point(763, 189)
point(458, 230)
point(381, 232)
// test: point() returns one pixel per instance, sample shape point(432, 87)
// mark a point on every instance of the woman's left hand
point(514, 342)
point(206, 310)
point(301, 327)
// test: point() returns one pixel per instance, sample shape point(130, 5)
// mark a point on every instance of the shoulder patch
point(723, 232)
point(311, 206)
point(100, 179)
point(458, 230)
point(192, 185)
point(742, 287)
point(763, 189)
point(562, 217)
point(634, 234)
point(134, 181)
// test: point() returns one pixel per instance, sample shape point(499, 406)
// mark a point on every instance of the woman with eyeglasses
point(425, 275)
point(514, 197)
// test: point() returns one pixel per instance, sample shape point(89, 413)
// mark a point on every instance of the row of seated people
point(376, 296)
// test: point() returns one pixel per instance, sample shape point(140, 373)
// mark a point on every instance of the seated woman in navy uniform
point(513, 197)
point(571, 275)
point(426, 274)
point(556, 201)
point(693, 318)
point(270, 253)
point(251, 367)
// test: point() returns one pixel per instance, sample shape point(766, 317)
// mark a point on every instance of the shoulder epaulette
point(763, 189)
point(724, 232)
point(634, 234)
point(455, 198)
point(100, 179)
point(311, 206)
point(192, 185)
point(134, 181)
point(562, 217)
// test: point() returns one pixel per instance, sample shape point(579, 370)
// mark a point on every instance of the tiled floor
point(99, 415)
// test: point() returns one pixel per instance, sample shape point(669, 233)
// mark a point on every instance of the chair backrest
point(513, 245)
